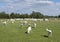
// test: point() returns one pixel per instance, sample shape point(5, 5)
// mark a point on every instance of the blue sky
point(56, 0)
point(47, 7)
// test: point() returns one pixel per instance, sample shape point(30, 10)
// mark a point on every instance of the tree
point(36, 15)
point(12, 15)
point(58, 16)
point(4, 15)
point(17, 15)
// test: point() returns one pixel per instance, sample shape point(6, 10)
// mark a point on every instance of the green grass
point(15, 33)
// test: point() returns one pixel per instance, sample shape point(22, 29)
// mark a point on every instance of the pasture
point(14, 32)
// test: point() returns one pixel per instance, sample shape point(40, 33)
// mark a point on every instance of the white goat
point(41, 20)
point(4, 23)
point(46, 20)
point(12, 20)
point(35, 25)
point(29, 29)
point(49, 32)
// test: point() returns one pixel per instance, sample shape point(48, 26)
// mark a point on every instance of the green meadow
point(14, 32)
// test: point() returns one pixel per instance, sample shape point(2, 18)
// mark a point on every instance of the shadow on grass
point(44, 36)
point(26, 32)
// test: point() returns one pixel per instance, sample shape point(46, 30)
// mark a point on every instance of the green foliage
point(59, 16)
point(36, 15)
point(12, 15)
point(4, 15)
point(32, 15)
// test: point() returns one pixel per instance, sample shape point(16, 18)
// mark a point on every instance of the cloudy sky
point(47, 7)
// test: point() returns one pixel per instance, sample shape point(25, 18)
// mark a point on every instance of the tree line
point(32, 15)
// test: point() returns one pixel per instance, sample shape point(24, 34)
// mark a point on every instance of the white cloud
point(48, 2)
point(58, 3)
point(26, 6)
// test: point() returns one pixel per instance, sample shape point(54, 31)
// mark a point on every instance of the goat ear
point(46, 29)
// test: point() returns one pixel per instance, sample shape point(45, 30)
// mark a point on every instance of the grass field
point(16, 33)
